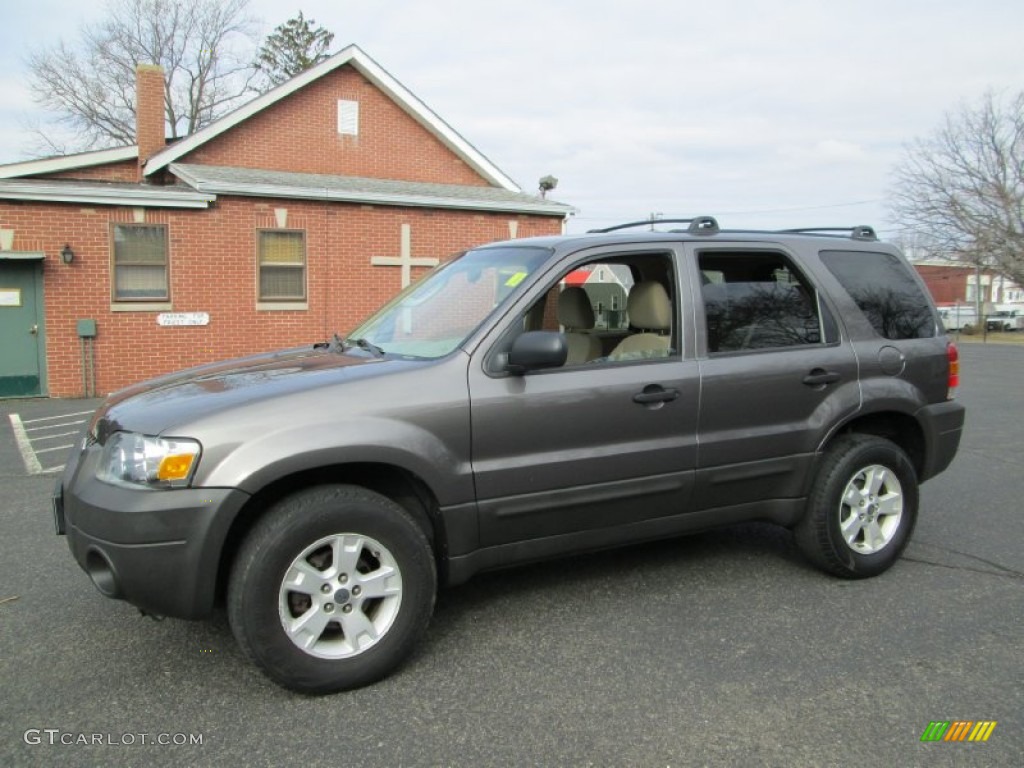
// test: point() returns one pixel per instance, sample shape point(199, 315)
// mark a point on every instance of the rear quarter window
point(886, 292)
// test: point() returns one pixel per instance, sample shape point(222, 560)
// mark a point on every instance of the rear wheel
point(332, 589)
point(862, 507)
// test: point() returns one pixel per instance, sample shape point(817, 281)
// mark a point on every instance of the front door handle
point(653, 393)
point(34, 330)
point(819, 377)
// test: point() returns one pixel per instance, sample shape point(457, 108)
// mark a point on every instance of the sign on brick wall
point(183, 318)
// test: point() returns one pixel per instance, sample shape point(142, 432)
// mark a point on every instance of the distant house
point(953, 284)
point(607, 287)
point(283, 222)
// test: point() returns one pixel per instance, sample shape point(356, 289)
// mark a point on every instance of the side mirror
point(534, 350)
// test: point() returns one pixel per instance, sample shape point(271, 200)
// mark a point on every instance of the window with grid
point(140, 262)
point(282, 265)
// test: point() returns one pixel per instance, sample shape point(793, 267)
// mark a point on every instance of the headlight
point(148, 462)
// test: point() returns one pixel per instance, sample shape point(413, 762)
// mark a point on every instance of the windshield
point(431, 318)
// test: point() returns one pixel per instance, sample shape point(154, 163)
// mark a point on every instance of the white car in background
point(958, 318)
point(1005, 320)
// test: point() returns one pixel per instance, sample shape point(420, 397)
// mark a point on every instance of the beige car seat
point(575, 314)
point(650, 310)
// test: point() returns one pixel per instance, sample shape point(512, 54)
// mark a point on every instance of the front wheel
point(862, 507)
point(331, 589)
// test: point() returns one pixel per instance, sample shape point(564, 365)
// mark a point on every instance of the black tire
point(377, 545)
point(878, 526)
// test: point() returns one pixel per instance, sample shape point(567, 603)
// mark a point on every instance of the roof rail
point(698, 225)
point(860, 232)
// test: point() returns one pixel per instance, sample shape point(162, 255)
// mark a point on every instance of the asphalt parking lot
point(718, 649)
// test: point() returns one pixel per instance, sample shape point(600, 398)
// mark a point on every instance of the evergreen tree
point(292, 48)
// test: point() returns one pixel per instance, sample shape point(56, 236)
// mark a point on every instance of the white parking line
point(24, 446)
point(62, 416)
point(58, 448)
point(39, 438)
point(55, 426)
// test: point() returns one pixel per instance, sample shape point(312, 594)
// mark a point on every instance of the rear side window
point(756, 301)
point(887, 294)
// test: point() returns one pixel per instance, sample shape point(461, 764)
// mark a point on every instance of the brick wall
point(213, 269)
point(300, 134)
point(948, 283)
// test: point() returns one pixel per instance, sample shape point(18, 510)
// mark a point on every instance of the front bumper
point(159, 550)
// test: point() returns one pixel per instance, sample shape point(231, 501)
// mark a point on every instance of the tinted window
point(756, 301)
point(886, 292)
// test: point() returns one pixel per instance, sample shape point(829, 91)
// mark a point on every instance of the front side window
point(888, 295)
point(431, 318)
point(282, 265)
point(617, 309)
point(756, 300)
point(140, 262)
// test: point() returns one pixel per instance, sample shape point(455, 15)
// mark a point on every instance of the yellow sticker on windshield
point(515, 280)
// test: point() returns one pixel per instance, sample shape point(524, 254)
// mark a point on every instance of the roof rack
point(860, 232)
point(708, 225)
point(698, 225)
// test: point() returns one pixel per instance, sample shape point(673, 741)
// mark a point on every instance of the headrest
point(574, 310)
point(649, 307)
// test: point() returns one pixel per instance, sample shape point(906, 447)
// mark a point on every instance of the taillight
point(954, 369)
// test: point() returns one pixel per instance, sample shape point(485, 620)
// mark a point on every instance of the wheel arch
point(900, 428)
point(396, 483)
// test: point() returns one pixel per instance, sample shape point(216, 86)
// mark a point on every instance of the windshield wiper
point(335, 344)
point(363, 344)
point(338, 344)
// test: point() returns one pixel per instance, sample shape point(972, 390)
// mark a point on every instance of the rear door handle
point(819, 377)
point(654, 393)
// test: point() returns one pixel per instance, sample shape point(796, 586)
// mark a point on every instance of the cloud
point(658, 105)
point(825, 151)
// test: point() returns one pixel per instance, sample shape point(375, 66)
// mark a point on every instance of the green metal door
point(22, 358)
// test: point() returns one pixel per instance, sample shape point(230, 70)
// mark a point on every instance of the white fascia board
point(60, 193)
point(373, 72)
point(68, 162)
point(377, 198)
point(431, 121)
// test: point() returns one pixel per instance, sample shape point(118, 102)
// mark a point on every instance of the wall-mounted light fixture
point(66, 254)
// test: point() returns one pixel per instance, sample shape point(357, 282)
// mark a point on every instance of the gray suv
point(526, 400)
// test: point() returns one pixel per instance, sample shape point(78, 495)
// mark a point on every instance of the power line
point(804, 208)
point(766, 210)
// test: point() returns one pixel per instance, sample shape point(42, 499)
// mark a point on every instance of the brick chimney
point(149, 111)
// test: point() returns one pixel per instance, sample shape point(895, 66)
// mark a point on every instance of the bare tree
point(204, 47)
point(292, 48)
point(960, 193)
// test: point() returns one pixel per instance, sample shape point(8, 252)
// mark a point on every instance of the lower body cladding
point(159, 550)
point(943, 426)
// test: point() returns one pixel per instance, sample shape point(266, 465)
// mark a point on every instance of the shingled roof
point(248, 182)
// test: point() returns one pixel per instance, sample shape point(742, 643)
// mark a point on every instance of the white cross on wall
point(405, 260)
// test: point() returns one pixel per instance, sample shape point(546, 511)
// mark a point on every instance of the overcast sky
point(764, 114)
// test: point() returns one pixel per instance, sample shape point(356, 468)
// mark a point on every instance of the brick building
point(951, 283)
point(283, 222)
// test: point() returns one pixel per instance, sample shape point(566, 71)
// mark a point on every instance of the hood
point(153, 407)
